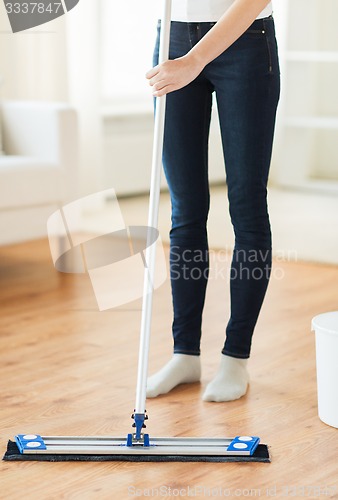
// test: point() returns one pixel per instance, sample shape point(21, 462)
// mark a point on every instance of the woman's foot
point(231, 380)
point(181, 369)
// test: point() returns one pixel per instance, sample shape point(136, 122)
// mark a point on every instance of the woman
point(226, 47)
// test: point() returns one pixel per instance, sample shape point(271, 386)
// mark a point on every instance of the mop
point(137, 445)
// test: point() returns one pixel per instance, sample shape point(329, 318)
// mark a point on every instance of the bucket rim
point(315, 323)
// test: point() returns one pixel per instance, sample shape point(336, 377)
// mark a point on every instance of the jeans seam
point(254, 31)
point(188, 353)
point(189, 34)
point(268, 47)
point(234, 354)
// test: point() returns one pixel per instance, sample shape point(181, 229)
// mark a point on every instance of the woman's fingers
point(164, 90)
point(159, 85)
point(160, 78)
point(152, 72)
point(154, 80)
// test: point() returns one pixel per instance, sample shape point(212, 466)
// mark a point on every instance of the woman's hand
point(173, 74)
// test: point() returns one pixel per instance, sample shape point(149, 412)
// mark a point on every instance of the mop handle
point(155, 185)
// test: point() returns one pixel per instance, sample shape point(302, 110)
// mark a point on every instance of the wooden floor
point(68, 369)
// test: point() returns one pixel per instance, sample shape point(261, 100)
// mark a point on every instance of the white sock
point(231, 380)
point(181, 369)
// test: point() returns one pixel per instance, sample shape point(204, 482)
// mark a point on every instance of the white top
point(197, 11)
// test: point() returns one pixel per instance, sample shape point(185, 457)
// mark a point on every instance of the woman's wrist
point(196, 60)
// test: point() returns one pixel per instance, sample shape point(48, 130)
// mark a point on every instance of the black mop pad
point(12, 454)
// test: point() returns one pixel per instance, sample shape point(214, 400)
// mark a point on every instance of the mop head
point(13, 454)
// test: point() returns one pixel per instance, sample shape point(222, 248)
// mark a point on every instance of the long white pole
point(152, 221)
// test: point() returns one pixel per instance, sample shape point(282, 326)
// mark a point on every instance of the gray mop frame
point(139, 443)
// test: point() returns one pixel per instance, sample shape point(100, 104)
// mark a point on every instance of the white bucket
point(326, 328)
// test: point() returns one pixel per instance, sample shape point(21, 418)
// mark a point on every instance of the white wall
point(33, 64)
point(306, 154)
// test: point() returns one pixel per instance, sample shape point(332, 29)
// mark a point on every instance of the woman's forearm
point(227, 30)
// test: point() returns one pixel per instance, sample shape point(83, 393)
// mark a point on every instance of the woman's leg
point(185, 160)
point(246, 79)
point(185, 165)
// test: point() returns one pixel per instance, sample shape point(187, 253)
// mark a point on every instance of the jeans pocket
point(271, 45)
point(259, 38)
point(269, 54)
point(254, 32)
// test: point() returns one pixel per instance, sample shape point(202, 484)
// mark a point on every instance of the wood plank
point(68, 369)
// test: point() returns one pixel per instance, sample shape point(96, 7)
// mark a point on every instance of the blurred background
point(77, 118)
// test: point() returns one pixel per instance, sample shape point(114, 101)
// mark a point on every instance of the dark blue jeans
point(245, 79)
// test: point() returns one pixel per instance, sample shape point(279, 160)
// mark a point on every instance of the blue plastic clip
point(143, 442)
point(139, 419)
point(30, 442)
point(244, 443)
point(138, 438)
point(129, 440)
